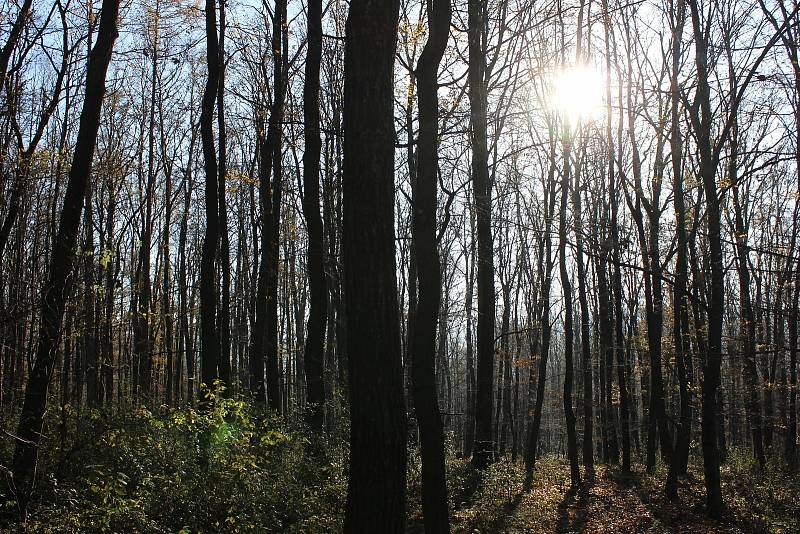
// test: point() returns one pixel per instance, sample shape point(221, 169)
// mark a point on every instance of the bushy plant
point(230, 469)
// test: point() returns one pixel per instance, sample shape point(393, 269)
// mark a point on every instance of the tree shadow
point(501, 520)
point(688, 511)
point(464, 496)
point(626, 480)
point(577, 497)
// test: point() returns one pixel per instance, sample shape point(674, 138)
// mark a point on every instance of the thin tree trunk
point(791, 434)
point(224, 252)
point(747, 326)
point(680, 456)
point(546, 277)
point(90, 344)
point(711, 370)
point(566, 284)
point(265, 339)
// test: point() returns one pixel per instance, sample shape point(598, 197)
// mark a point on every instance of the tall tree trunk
point(426, 250)
point(482, 450)
point(272, 231)
point(586, 352)
point(90, 344)
point(318, 302)
point(747, 328)
point(62, 259)
point(504, 370)
point(566, 284)
point(224, 252)
point(469, 416)
point(623, 369)
point(606, 342)
point(654, 300)
point(791, 434)
point(143, 342)
point(110, 268)
point(376, 492)
point(187, 341)
point(546, 278)
point(265, 339)
point(711, 368)
point(209, 334)
point(680, 454)
point(166, 294)
point(605, 306)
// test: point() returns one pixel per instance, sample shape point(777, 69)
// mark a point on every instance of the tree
point(482, 189)
point(224, 252)
point(209, 337)
point(265, 338)
point(57, 287)
point(680, 337)
point(318, 302)
point(709, 147)
point(566, 285)
point(377, 484)
point(545, 278)
point(423, 371)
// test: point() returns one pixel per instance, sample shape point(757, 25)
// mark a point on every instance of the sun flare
point(577, 93)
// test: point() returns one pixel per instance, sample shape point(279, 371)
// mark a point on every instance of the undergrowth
point(238, 469)
point(232, 469)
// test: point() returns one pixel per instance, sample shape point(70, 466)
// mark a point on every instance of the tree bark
point(376, 492)
point(747, 320)
point(484, 446)
point(318, 302)
point(224, 252)
point(426, 250)
point(209, 335)
point(265, 338)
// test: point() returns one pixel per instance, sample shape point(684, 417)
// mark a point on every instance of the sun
point(577, 93)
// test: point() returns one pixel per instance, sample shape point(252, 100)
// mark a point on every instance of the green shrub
point(233, 469)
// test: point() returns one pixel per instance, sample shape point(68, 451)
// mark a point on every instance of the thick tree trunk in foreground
point(59, 280)
point(424, 225)
point(376, 493)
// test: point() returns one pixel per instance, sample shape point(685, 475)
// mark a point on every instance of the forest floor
point(133, 470)
point(613, 502)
